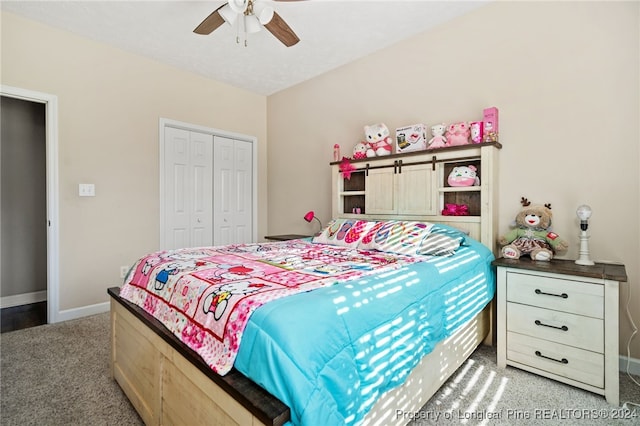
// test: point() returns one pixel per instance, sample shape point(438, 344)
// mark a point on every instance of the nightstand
point(285, 237)
point(560, 320)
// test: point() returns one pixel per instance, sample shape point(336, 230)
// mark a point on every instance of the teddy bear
point(464, 176)
point(377, 136)
point(532, 234)
point(458, 133)
point(438, 140)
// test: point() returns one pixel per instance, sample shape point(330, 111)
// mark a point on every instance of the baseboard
point(23, 299)
point(634, 365)
point(83, 311)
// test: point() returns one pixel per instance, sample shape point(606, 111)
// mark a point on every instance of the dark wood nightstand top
point(285, 237)
point(608, 271)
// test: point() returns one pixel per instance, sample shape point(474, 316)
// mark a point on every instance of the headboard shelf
point(413, 186)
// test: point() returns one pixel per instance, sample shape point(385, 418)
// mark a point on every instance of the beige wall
point(109, 105)
point(564, 76)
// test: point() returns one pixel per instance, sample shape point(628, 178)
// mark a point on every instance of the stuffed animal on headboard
point(532, 234)
point(360, 150)
point(377, 136)
point(438, 140)
point(464, 176)
point(458, 133)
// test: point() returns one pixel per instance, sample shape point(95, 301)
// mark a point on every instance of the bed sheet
point(330, 353)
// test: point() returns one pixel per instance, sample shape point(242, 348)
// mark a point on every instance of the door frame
point(166, 122)
point(53, 238)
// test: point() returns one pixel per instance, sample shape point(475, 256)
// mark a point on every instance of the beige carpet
point(59, 375)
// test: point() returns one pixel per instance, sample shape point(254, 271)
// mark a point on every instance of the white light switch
point(87, 190)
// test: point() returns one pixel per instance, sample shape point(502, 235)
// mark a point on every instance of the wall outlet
point(86, 190)
point(123, 271)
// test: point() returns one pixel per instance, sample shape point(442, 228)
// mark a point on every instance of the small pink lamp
point(310, 216)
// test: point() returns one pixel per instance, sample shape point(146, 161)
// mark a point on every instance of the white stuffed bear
point(464, 176)
point(378, 139)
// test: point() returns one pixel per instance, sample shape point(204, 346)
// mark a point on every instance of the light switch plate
point(86, 190)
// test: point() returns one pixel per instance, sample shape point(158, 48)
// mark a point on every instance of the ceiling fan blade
point(210, 23)
point(281, 30)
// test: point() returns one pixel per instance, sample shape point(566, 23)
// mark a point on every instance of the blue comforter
point(330, 353)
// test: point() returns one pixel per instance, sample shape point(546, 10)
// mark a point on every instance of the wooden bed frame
point(168, 383)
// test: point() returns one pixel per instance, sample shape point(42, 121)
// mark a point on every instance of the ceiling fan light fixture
point(266, 15)
point(255, 15)
point(238, 6)
point(251, 24)
point(228, 14)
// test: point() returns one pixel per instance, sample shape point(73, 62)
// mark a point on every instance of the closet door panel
point(202, 189)
point(188, 190)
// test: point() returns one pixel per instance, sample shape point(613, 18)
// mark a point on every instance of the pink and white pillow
point(344, 232)
point(396, 236)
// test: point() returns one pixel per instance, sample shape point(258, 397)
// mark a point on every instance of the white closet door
point(188, 188)
point(201, 189)
point(233, 189)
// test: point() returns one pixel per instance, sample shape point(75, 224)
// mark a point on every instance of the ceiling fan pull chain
point(238, 32)
point(246, 34)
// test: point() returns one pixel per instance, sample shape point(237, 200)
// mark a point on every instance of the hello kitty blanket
point(205, 296)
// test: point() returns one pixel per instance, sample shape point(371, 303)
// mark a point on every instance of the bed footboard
point(167, 385)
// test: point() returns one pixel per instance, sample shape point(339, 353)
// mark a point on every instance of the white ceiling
point(331, 32)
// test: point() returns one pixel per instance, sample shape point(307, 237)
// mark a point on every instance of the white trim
point(166, 122)
point(53, 244)
point(634, 365)
point(83, 311)
point(23, 299)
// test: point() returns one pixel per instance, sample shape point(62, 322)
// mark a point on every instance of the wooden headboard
point(413, 186)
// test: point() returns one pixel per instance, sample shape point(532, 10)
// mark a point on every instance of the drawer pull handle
point(563, 328)
point(561, 361)
point(563, 295)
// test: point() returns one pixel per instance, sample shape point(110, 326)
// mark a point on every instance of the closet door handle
point(563, 328)
point(395, 167)
point(561, 361)
point(563, 295)
point(399, 166)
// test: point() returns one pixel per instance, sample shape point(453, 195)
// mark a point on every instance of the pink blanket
point(205, 295)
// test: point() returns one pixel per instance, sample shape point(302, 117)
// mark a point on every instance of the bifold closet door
point(233, 191)
point(188, 188)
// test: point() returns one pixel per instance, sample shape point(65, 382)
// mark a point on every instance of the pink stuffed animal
point(438, 140)
point(458, 133)
point(378, 139)
point(360, 150)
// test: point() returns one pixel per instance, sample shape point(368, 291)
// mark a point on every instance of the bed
point(359, 325)
point(446, 312)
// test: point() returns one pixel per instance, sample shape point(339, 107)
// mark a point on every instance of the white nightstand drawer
point(566, 361)
point(562, 295)
point(561, 327)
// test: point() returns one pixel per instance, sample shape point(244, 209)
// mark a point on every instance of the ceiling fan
point(254, 14)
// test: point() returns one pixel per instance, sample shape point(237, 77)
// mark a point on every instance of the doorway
point(28, 207)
